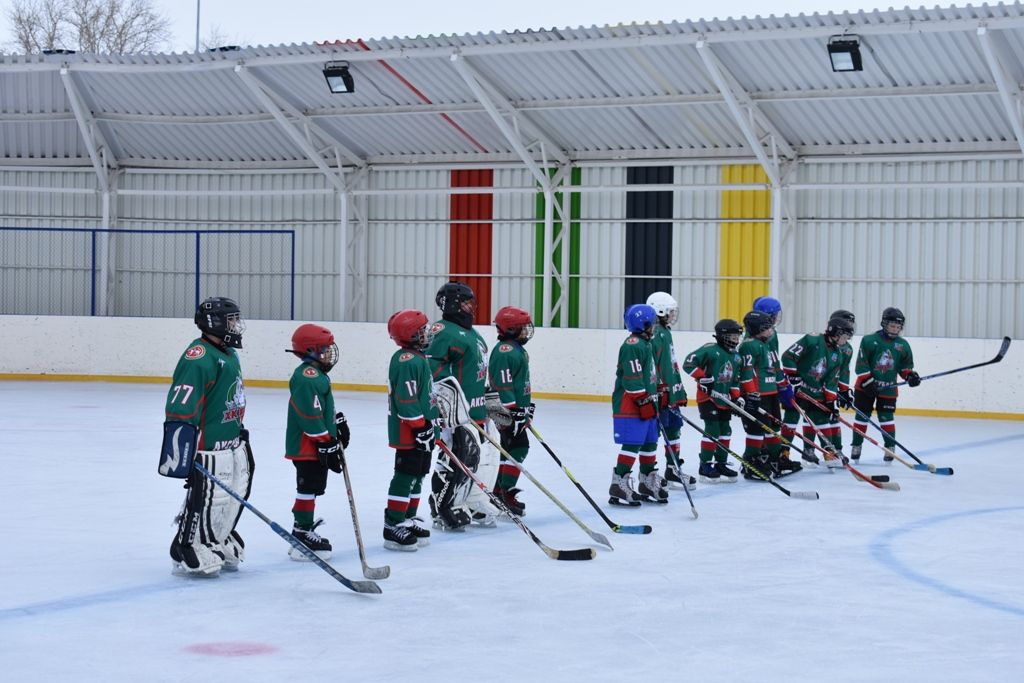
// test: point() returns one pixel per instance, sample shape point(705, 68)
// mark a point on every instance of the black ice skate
point(510, 498)
point(726, 473)
point(413, 524)
point(399, 537)
point(312, 540)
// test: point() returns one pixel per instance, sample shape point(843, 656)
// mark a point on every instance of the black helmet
point(220, 317)
point(450, 298)
point(756, 322)
point(837, 326)
point(892, 315)
point(845, 315)
point(727, 332)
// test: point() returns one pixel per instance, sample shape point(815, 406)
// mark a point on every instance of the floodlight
point(844, 53)
point(339, 80)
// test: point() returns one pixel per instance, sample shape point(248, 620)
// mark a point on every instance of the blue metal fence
point(41, 270)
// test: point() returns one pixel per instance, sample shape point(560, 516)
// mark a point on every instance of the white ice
point(923, 584)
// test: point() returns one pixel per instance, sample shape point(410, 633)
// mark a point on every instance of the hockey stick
point(1003, 348)
point(880, 481)
point(617, 528)
point(368, 571)
point(921, 466)
point(581, 554)
point(887, 450)
point(678, 466)
point(887, 485)
point(461, 413)
point(357, 586)
point(805, 495)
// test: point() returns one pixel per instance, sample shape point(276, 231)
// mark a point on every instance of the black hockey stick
point(678, 466)
point(805, 495)
point(1003, 348)
point(581, 554)
point(617, 528)
point(887, 485)
point(921, 466)
point(368, 571)
point(357, 586)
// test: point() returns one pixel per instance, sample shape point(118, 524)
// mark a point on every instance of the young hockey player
point(812, 366)
point(411, 431)
point(457, 350)
point(635, 413)
point(316, 436)
point(884, 356)
point(773, 309)
point(671, 393)
point(759, 386)
point(844, 396)
point(509, 375)
point(716, 367)
point(204, 412)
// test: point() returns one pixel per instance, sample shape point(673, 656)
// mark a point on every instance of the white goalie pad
point(454, 411)
point(234, 468)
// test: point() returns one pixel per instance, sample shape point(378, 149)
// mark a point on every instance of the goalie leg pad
point(194, 550)
point(487, 472)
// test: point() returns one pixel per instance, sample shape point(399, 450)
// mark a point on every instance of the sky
point(262, 22)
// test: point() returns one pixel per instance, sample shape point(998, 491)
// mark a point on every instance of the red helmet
point(410, 329)
point(512, 322)
point(315, 343)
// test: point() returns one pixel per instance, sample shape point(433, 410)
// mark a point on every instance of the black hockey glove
point(243, 435)
point(425, 437)
point(913, 379)
point(342, 424)
point(706, 384)
point(750, 403)
point(795, 381)
point(329, 454)
point(830, 407)
point(869, 386)
point(521, 418)
point(647, 406)
point(845, 398)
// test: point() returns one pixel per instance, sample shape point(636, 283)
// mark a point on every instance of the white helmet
point(665, 306)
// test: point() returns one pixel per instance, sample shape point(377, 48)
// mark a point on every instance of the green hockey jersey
point(634, 376)
point(666, 365)
point(817, 364)
point(508, 370)
point(207, 391)
point(711, 360)
point(310, 412)
point(410, 397)
point(460, 353)
point(886, 359)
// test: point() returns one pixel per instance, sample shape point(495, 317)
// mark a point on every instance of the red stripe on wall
point(470, 243)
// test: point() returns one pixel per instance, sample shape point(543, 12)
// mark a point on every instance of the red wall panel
point(470, 243)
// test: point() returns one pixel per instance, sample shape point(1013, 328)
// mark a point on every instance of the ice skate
point(708, 474)
point(676, 478)
point(653, 489)
point(422, 534)
point(727, 474)
point(312, 540)
point(510, 498)
point(399, 537)
point(855, 453)
point(621, 491)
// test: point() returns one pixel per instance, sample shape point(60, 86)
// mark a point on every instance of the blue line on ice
point(881, 550)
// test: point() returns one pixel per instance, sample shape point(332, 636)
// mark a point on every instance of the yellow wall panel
point(743, 246)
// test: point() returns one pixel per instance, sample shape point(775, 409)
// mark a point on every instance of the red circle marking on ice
point(230, 649)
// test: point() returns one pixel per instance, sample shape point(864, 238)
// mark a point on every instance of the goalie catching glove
point(329, 454)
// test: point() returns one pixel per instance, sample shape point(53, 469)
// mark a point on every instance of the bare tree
point(107, 26)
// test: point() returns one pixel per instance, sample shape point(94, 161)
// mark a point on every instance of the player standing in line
point(771, 307)
point(457, 350)
point(509, 375)
point(844, 396)
point(411, 432)
point(759, 385)
point(884, 356)
point(316, 436)
point(716, 367)
point(635, 413)
point(812, 366)
point(671, 392)
point(204, 412)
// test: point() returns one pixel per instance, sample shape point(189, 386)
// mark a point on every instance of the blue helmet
point(767, 304)
point(639, 317)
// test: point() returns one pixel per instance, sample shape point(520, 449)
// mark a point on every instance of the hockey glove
point(521, 418)
point(681, 402)
point(663, 396)
point(329, 454)
point(786, 395)
point(646, 406)
point(869, 386)
point(751, 403)
point(913, 379)
point(425, 437)
point(845, 398)
point(243, 435)
point(342, 424)
point(706, 384)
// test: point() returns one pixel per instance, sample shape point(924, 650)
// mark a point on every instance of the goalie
point(204, 412)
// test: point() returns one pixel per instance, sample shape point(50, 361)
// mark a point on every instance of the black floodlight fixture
point(844, 53)
point(339, 80)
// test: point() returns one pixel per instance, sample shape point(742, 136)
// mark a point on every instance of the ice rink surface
point(923, 584)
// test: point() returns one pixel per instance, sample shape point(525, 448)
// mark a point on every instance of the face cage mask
point(731, 340)
point(526, 333)
point(329, 357)
point(890, 324)
point(421, 340)
point(234, 324)
point(671, 315)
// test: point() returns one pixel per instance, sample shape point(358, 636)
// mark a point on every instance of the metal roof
point(934, 80)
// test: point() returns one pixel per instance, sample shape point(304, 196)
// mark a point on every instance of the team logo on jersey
point(310, 372)
point(725, 374)
point(195, 352)
point(234, 406)
point(406, 356)
point(435, 328)
point(885, 362)
point(505, 348)
point(633, 340)
point(818, 370)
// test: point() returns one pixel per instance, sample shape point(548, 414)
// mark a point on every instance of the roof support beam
point(279, 108)
point(467, 74)
point(1009, 92)
point(741, 115)
point(95, 143)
